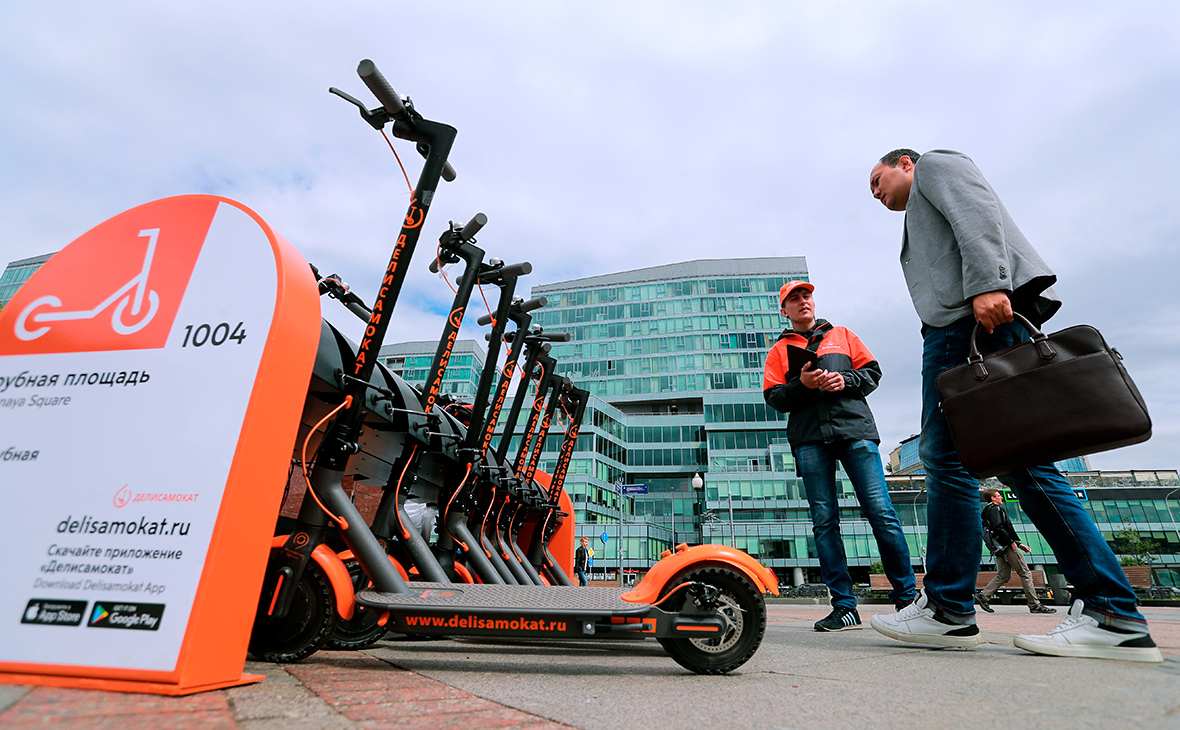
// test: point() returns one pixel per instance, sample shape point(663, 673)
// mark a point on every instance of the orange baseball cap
point(791, 286)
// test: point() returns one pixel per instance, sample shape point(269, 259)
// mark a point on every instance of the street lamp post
point(698, 484)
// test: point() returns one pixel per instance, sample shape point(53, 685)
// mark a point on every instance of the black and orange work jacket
point(816, 415)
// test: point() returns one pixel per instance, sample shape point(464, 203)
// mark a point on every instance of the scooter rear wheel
point(362, 630)
point(307, 626)
point(744, 611)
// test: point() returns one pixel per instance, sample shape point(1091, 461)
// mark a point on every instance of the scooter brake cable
point(335, 518)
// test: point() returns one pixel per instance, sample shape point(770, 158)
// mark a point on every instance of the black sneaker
point(986, 605)
point(840, 619)
point(1041, 608)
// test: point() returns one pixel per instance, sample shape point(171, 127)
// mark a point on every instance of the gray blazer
point(959, 241)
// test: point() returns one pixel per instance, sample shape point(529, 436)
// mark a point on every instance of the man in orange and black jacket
point(831, 421)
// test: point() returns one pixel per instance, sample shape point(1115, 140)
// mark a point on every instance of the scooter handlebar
point(516, 270)
point(478, 221)
point(381, 89)
point(532, 304)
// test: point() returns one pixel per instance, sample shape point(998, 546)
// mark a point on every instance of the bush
point(877, 568)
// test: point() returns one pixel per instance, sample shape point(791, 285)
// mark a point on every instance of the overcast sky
point(606, 136)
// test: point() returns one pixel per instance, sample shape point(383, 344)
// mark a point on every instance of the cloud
point(612, 136)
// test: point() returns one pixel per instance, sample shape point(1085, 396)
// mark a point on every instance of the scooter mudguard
point(337, 575)
point(347, 555)
point(700, 556)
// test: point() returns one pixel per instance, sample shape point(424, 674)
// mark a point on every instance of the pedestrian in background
point(1004, 544)
point(582, 560)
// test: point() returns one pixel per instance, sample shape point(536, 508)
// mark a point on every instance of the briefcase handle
point(1040, 339)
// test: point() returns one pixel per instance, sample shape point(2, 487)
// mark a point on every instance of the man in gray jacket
point(965, 261)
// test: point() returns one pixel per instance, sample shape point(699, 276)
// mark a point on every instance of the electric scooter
point(704, 604)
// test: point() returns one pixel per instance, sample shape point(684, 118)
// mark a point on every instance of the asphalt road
point(802, 678)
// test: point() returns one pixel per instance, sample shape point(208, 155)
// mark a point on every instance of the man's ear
point(905, 163)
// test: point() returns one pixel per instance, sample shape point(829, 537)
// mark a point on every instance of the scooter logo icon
point(133, 293)
point(118, 287)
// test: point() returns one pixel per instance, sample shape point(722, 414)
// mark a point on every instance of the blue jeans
point(862, 464)
point(953, 503)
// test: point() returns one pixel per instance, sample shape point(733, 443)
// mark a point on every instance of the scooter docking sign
point(132, 366)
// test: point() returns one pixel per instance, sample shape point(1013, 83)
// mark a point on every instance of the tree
point(1132, 548)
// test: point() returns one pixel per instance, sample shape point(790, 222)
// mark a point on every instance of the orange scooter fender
point(347, 555)
point(333, 567)
point(700, 556)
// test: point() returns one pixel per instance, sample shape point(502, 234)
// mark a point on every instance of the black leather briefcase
point(1054, 397)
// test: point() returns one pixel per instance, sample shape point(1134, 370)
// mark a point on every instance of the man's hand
point(810, 377)
point(1025, 548)
point(992, 309)
point(831, 382)
point(821, 379)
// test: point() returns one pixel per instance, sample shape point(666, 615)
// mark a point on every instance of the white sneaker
point(921, 623)
point(1080, 635)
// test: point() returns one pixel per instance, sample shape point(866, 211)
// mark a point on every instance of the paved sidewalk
point(799, 678)
point(331, 690)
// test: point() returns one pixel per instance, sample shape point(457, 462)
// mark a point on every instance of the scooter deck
point(523, 611)
point(436, 598)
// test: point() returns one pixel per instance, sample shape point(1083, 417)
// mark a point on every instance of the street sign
point(634, 489)
point(604, 537)
point(1010, 496)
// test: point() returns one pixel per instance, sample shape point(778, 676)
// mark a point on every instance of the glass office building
point(16, 274)
point(411, 360)
point(905, 459)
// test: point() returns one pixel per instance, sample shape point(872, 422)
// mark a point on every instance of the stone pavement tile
point(280, 696)
point(58, 702)
point(412, 708)
point(187, 720)
point(503, 718)
point(10, 694)
point(54, 707)
point(346, 696)
point(334, 722)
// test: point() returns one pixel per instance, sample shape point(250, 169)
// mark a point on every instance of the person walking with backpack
point(1002, 542)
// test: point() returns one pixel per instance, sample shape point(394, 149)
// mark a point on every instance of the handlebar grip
point(484, 320)
point(478, 221)
point(434, 265)
point(532, 304)
point(359, 310)
point(381, 89)
point(555, 337)
point(448, 172)
point(515, 270)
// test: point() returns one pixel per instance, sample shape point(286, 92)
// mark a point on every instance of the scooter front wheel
point(362, 630)
point(307, 626)
point(740, 606)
